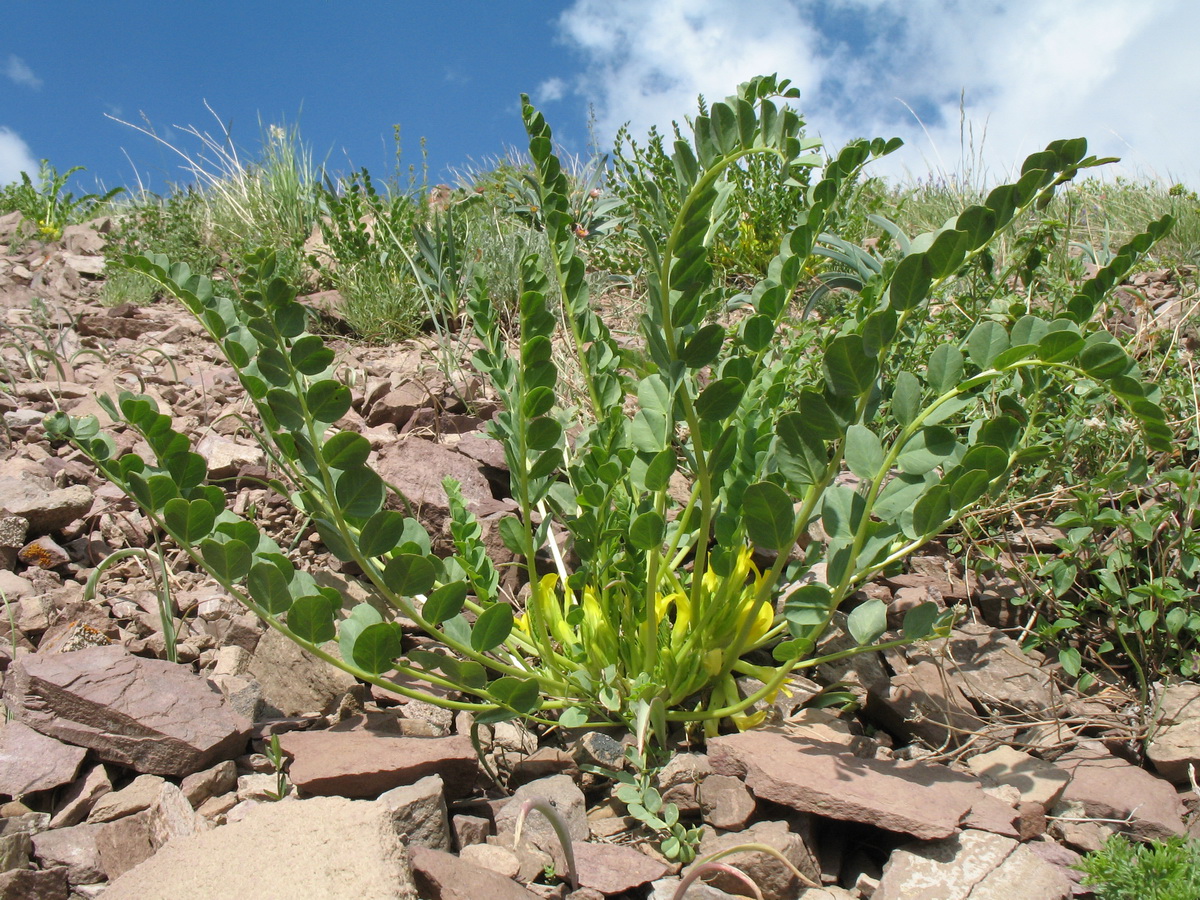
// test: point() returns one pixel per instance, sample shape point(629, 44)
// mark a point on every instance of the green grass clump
point(1124, 870)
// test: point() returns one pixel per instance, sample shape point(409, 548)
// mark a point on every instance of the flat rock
point(417, 467)
point(326, 847)
point(443, 876)
point(73, 847)
point(1175, 737)
point(615, 868)
point(973, 865)
point(139, 794)
point(226, 458)
point(31, 762)
point(922, 799)
point(365, 763)
point(1110, 788)
point(151, 715)
point(1038, 781)
point(75, 803)
point(45, 509)
point(292, 680)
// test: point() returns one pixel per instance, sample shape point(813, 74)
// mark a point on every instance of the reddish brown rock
point(365, 763)
point(151, 715)
point(443, 876)
point(75, 803)
point(726, 802)
point(774, 879)
point(1110, 788)
point(925, 800)
point(615, 868)
point(27, 884)
point(31, 762)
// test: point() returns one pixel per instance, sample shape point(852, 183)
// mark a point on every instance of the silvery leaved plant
point(662, 507)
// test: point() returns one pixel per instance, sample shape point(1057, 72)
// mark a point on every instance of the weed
point(1162, 870)
point(47, 205)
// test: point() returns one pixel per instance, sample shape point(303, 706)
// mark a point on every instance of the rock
point(136, 796)
point(1175, 736)
point(596, 749)
point(45, 510)
point(81, 797)
point(171, 816)
point(1110, 788)
point(293, 681)
point(150, 715)
point(443, 876)
point(365, 764)
point(973, 865)
point(925, 800)
point(75, 849)
point(31, 762)
point(124, 844)
point(28, 884)
point(726, 802)
point(542, 763)
point(615, 868)
point(397, 406)
point(82, 240)
point(419, 813)
point(327, 847)
point(560, 792)
point(43, 552)
point(220, 779)
point(667, 888)
point(15, 850)
point(1038, 781)
point(470, 830)
point(226, 458)
point(492, 856)
point(773, 878)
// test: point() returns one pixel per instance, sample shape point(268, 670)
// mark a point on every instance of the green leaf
point(800, 454)
point(1103, 359)
point(512, 534)
point(346, 450)
point(542, 434)
point(849, 371)
point(910, 282)
point(720, 399)
point(945, 368)
point(987, 341)
point(979, 224)
point(492, 627)
point(311, 618)
point(646, 532)
point(445, 603)
point(807, 607)
point(359, 492)
point(189, 520)
point(919, 621)
point(408, 574)
point(906, 397)
point(1070, 660)
point(378, 646)
point(932, 512)
point(187, 469)
point(362, 616)
point(758, 332)
point(538, 402)
point(867, 621)
point(521, 694)
point(863, 452)
point(328, 400)
point(660, 470)
point(228, 561)
point(287, 409)
point(947, 253)
point(703, 347)
point(769, 517)
point(841, 512)
point(929, 448)
point(310, 356)
point(382, 533)
point(269, 588)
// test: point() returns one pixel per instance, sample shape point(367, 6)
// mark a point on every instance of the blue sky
point(1123, 73)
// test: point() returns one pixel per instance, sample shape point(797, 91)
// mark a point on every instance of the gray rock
point(446, 877)
point(1175, 736)
point(973, 865)
point(293, 681)
point(925, 800)
point(150, 715)
point(31, 762)
point(365, 763)
point(15, 850)
point(29, 884)
point(73, 847)
point(326, 847)
point(1110, 788)
point(419, 813)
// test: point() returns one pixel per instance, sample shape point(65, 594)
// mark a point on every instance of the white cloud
point(550, 90)
point(1120, 72)
point(15, 157)
point(20, 73)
